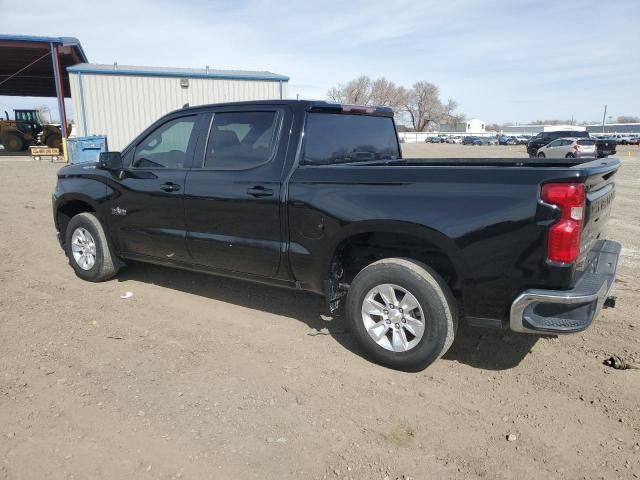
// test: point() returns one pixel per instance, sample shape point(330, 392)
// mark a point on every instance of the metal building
point(120, 101)
point(592, 128)
point(473, 126)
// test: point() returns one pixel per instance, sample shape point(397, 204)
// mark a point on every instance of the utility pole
point(603, 117)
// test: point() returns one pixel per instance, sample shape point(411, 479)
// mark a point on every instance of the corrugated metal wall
point(120, 107)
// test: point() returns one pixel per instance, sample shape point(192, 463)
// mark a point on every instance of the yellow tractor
point(26, 130)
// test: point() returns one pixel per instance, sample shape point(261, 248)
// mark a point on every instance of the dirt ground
point(200, 377)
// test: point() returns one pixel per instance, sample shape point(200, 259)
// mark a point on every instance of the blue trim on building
point(272, 77)
point(65, 41)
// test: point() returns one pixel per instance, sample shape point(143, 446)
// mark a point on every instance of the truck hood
point(76, 169)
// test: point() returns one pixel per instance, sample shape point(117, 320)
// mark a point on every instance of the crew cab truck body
point(316, 196)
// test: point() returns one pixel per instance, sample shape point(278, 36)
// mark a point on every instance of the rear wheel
point(541, 155)
point(402, 313)
point(570, 155)
point(88, 250)
point(12, 142)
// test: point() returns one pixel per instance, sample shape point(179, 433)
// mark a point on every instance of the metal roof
point(116, 69)
point(26, 68)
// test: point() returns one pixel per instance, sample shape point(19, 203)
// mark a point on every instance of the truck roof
point(307, 105)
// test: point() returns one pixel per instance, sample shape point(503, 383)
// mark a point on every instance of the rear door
point(233, 193)
point(147, 207)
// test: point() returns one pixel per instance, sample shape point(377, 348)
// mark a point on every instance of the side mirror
point(111, 161)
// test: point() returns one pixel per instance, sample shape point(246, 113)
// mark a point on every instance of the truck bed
point(493, 162)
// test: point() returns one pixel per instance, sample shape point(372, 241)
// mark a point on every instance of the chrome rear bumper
point(568, 311)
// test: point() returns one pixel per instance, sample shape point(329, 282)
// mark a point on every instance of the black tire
point(106, 265)
point(570, 155)
point(53, 140)
point(12, 142)
point(433, 295)
point(541, 155)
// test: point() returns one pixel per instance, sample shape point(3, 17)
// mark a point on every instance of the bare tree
point(44, 113)
point(364, 91)
point(421, 104)
point(449, 113)
point(388, 94)
point(356, 91)
point(628, 119)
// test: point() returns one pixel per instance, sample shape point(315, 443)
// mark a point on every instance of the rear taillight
point(564, 236)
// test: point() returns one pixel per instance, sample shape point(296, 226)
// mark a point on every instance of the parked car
point(433, 140)
point(625, 138)
point(492, 140)
point(455, 139)
point(468, 140)
point(569, 148)
point(522, 139)
point(507, 140)
point(407, 248)
point(481, 141)
point(604, 147)
point(633, 140)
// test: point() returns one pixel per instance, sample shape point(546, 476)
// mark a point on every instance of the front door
point(232, 196)
point(146, 210)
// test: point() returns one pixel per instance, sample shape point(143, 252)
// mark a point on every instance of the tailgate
point(600, 192)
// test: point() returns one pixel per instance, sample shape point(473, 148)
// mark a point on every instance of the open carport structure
point(32, 66)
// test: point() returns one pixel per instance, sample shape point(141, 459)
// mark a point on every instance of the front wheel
point(402, 313)
point(570, 155)
point(87, 249)
point(53, 140)
point(541, 155)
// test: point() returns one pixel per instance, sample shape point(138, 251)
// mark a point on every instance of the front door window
point(167, 146)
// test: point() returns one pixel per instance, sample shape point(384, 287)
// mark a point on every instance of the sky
point(502, 61)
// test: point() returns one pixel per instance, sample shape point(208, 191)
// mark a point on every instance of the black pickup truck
point(316, 196)
point(604, 146)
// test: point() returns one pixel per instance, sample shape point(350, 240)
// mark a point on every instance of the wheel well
point(355, 253)
point(69, 210)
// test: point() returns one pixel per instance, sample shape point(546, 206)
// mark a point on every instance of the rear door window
point(331, 138)
point(241, 140)
point(586, 142)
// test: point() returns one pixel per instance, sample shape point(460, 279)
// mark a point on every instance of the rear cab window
point(333, 138)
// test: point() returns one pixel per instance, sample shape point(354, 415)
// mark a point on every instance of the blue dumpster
point(86, 149)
